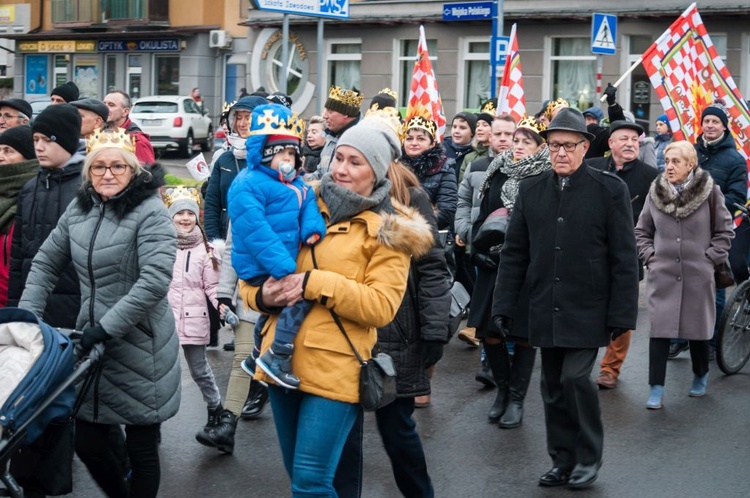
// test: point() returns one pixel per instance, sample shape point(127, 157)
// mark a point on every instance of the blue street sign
point(603, 34)
point(501, 49)
point(333, 9)
point(467, 11)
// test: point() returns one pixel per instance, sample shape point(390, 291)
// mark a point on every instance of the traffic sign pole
point(284, 53)
point(497, 31)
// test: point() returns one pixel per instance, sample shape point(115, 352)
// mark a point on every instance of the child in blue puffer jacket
point(272, 211)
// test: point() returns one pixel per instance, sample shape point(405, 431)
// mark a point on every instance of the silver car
point(174, 123)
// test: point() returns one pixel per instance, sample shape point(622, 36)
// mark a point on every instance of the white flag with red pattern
point(511, 99)
point(424, 98)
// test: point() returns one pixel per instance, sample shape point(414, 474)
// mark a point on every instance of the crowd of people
point(324, 242)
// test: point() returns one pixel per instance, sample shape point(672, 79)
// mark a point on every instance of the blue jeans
point(312, 431)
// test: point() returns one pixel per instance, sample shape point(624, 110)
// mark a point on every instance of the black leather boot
point(220, 437)
point(484, 376)
point(257, 398)
point(520, 375)
point(497, 359)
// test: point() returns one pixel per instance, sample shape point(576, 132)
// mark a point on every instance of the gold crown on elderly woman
point(118, 139)
point(174, 194)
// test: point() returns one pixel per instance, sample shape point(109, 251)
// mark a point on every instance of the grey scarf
point(516, 171)
point(344, 204)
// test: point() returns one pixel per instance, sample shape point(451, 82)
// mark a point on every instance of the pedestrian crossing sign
point(603, 34)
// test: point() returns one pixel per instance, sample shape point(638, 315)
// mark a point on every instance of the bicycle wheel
point(733, 334)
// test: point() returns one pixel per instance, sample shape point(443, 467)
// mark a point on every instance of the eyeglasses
point(7, 116)
point(569, 147)
point(115, 169)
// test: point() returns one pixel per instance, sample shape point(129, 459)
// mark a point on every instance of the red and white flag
point(511, 99)
point(424, 98)
point(198, 168)
point(688, 74)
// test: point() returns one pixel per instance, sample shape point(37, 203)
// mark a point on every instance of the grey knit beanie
point(181, 205)
point(376, 142)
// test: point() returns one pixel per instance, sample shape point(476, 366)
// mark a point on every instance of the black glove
point(617, 332)
point(503, 324)
point(228, 303)
point(431, 352)
point(484, 261)
point(93, 335)
point(611, 93)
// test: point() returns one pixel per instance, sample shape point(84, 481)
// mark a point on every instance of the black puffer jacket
point(40, 205)
point(727, 167)
point(423, 315)
point(436, 173)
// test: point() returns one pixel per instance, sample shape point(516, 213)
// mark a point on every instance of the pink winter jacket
point(193, 278)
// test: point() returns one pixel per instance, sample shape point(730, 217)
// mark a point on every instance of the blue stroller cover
point(52, 368)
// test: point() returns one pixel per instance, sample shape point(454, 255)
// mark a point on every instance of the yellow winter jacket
point(363, 266)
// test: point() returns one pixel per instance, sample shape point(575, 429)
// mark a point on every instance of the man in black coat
point(572, 231)
point(638, 176)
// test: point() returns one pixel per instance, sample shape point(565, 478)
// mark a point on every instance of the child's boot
point(213, 420)
point(277, 364)
point(248, 364)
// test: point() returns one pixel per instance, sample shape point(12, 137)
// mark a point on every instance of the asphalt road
point(694, 447)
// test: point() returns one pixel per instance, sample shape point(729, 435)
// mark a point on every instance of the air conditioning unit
point(219, 38)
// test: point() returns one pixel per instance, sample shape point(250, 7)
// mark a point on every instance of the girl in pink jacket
point(195, 276)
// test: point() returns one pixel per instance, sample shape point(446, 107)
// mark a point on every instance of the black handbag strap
point(336, 317)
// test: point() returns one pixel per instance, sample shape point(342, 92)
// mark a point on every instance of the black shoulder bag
point(377, 377)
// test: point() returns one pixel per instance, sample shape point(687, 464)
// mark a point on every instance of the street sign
point(332, 9)
point(603, 34)
point(467, 11)
point(501, 49)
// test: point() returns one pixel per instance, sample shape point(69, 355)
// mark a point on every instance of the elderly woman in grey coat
point(122, 242)
point(684, 230)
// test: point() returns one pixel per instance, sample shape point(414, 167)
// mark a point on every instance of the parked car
point(174, 123)
point(39, 105)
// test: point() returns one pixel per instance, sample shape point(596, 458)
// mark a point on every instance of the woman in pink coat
point(683, 231)
point(195, 276)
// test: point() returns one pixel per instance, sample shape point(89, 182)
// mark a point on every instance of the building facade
point(376, 47)
point(145, 47)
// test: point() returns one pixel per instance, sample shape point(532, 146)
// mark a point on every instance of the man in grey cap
point(14, 112)
point(574, 224)
point(93, 113)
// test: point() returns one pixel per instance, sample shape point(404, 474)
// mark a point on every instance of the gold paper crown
point(420, 123)
point(389, 92)
point(532, 124)
point(489, 107)
point(173, 194)
point(227, 106)
point(348, 97)
point(554, 104)
point(118, 139)
point(271, 124)
point(388, 115)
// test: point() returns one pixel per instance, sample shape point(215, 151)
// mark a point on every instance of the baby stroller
point(36, 385)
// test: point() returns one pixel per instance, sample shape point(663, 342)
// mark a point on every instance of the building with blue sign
point(376, 46)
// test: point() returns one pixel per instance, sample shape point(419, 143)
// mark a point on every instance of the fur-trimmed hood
point(668, 201)
point(140, 188)
point(405, 230)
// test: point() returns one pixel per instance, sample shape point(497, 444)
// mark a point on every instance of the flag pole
point(625, 75)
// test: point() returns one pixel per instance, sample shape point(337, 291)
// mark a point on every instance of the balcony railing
point(95, 11)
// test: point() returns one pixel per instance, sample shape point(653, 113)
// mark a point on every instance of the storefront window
point(86, 75)
point(407, 57)
point(110, 82)
point(167, 75)
point(134, 76)
point(61, 69)
point(344, 62)
point(573, 71)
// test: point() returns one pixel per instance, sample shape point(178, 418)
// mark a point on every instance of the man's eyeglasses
point(569, 147)
point(7, 116)
point(115, 169)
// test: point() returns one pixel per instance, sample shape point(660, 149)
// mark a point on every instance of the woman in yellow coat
point(360, 272)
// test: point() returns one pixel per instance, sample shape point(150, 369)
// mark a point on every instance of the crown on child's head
point(174, 194)
point(532, 124)
point(489, 107)
point(270, 123)
point(118, 139)
point(348, 97)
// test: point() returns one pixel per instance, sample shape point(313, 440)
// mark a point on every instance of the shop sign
point(56, 46)
point(169, 45)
